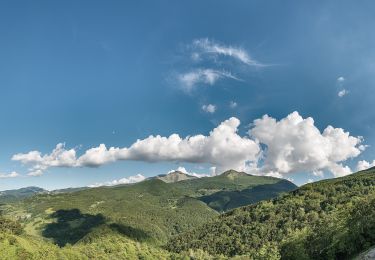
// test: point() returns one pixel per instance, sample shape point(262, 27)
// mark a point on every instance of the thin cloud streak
point(205, 46)
point(190, 80)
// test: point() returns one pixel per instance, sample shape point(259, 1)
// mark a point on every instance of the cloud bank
point(223, 147)
point(292, 145)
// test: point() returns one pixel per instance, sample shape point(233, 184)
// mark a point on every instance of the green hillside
point(225, 200)
point(151, 211)
point(330, 219)
point(15, 244)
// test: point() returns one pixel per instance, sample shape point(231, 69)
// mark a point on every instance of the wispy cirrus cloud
point(206, 47)
point(189, 80)
point(207, 62)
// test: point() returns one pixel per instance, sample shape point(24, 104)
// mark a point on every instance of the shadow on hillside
point(222, 201)
point(132, 233)
point(71, 226)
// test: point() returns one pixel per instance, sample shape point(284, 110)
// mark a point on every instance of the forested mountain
point(150, 211)
point(330, 219)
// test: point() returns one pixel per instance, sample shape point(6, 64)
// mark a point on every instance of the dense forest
point(330, 219)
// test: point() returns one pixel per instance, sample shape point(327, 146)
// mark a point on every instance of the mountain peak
point(175, 176)
point(232, 173)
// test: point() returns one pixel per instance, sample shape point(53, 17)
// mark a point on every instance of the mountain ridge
point(167, 208)
point(328, 219)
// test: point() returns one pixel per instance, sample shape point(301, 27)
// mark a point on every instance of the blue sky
point(86, 73)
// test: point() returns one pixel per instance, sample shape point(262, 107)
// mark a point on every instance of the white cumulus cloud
point(295, 144)
point(209, 108)
point(340, 79)
point(128, 180)
point(223, 147)
point(8, 175)
point(183, 170)
point(364, 165)
point(59, 157)
point(342, 93)
point(233, 104)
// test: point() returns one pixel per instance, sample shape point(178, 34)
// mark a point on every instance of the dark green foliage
point(226, 200)
point(71, 226)
point(331, 219)
point(133, 233)
point(9, 226)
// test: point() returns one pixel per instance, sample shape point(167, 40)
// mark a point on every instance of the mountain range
point(177, 216)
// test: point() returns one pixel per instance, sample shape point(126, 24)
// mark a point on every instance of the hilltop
point(175, 176)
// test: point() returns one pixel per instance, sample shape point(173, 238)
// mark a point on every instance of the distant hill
point(11, 196)
point(175, 177)
point(152, 210)
point(8, 196)
point(329, 219)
